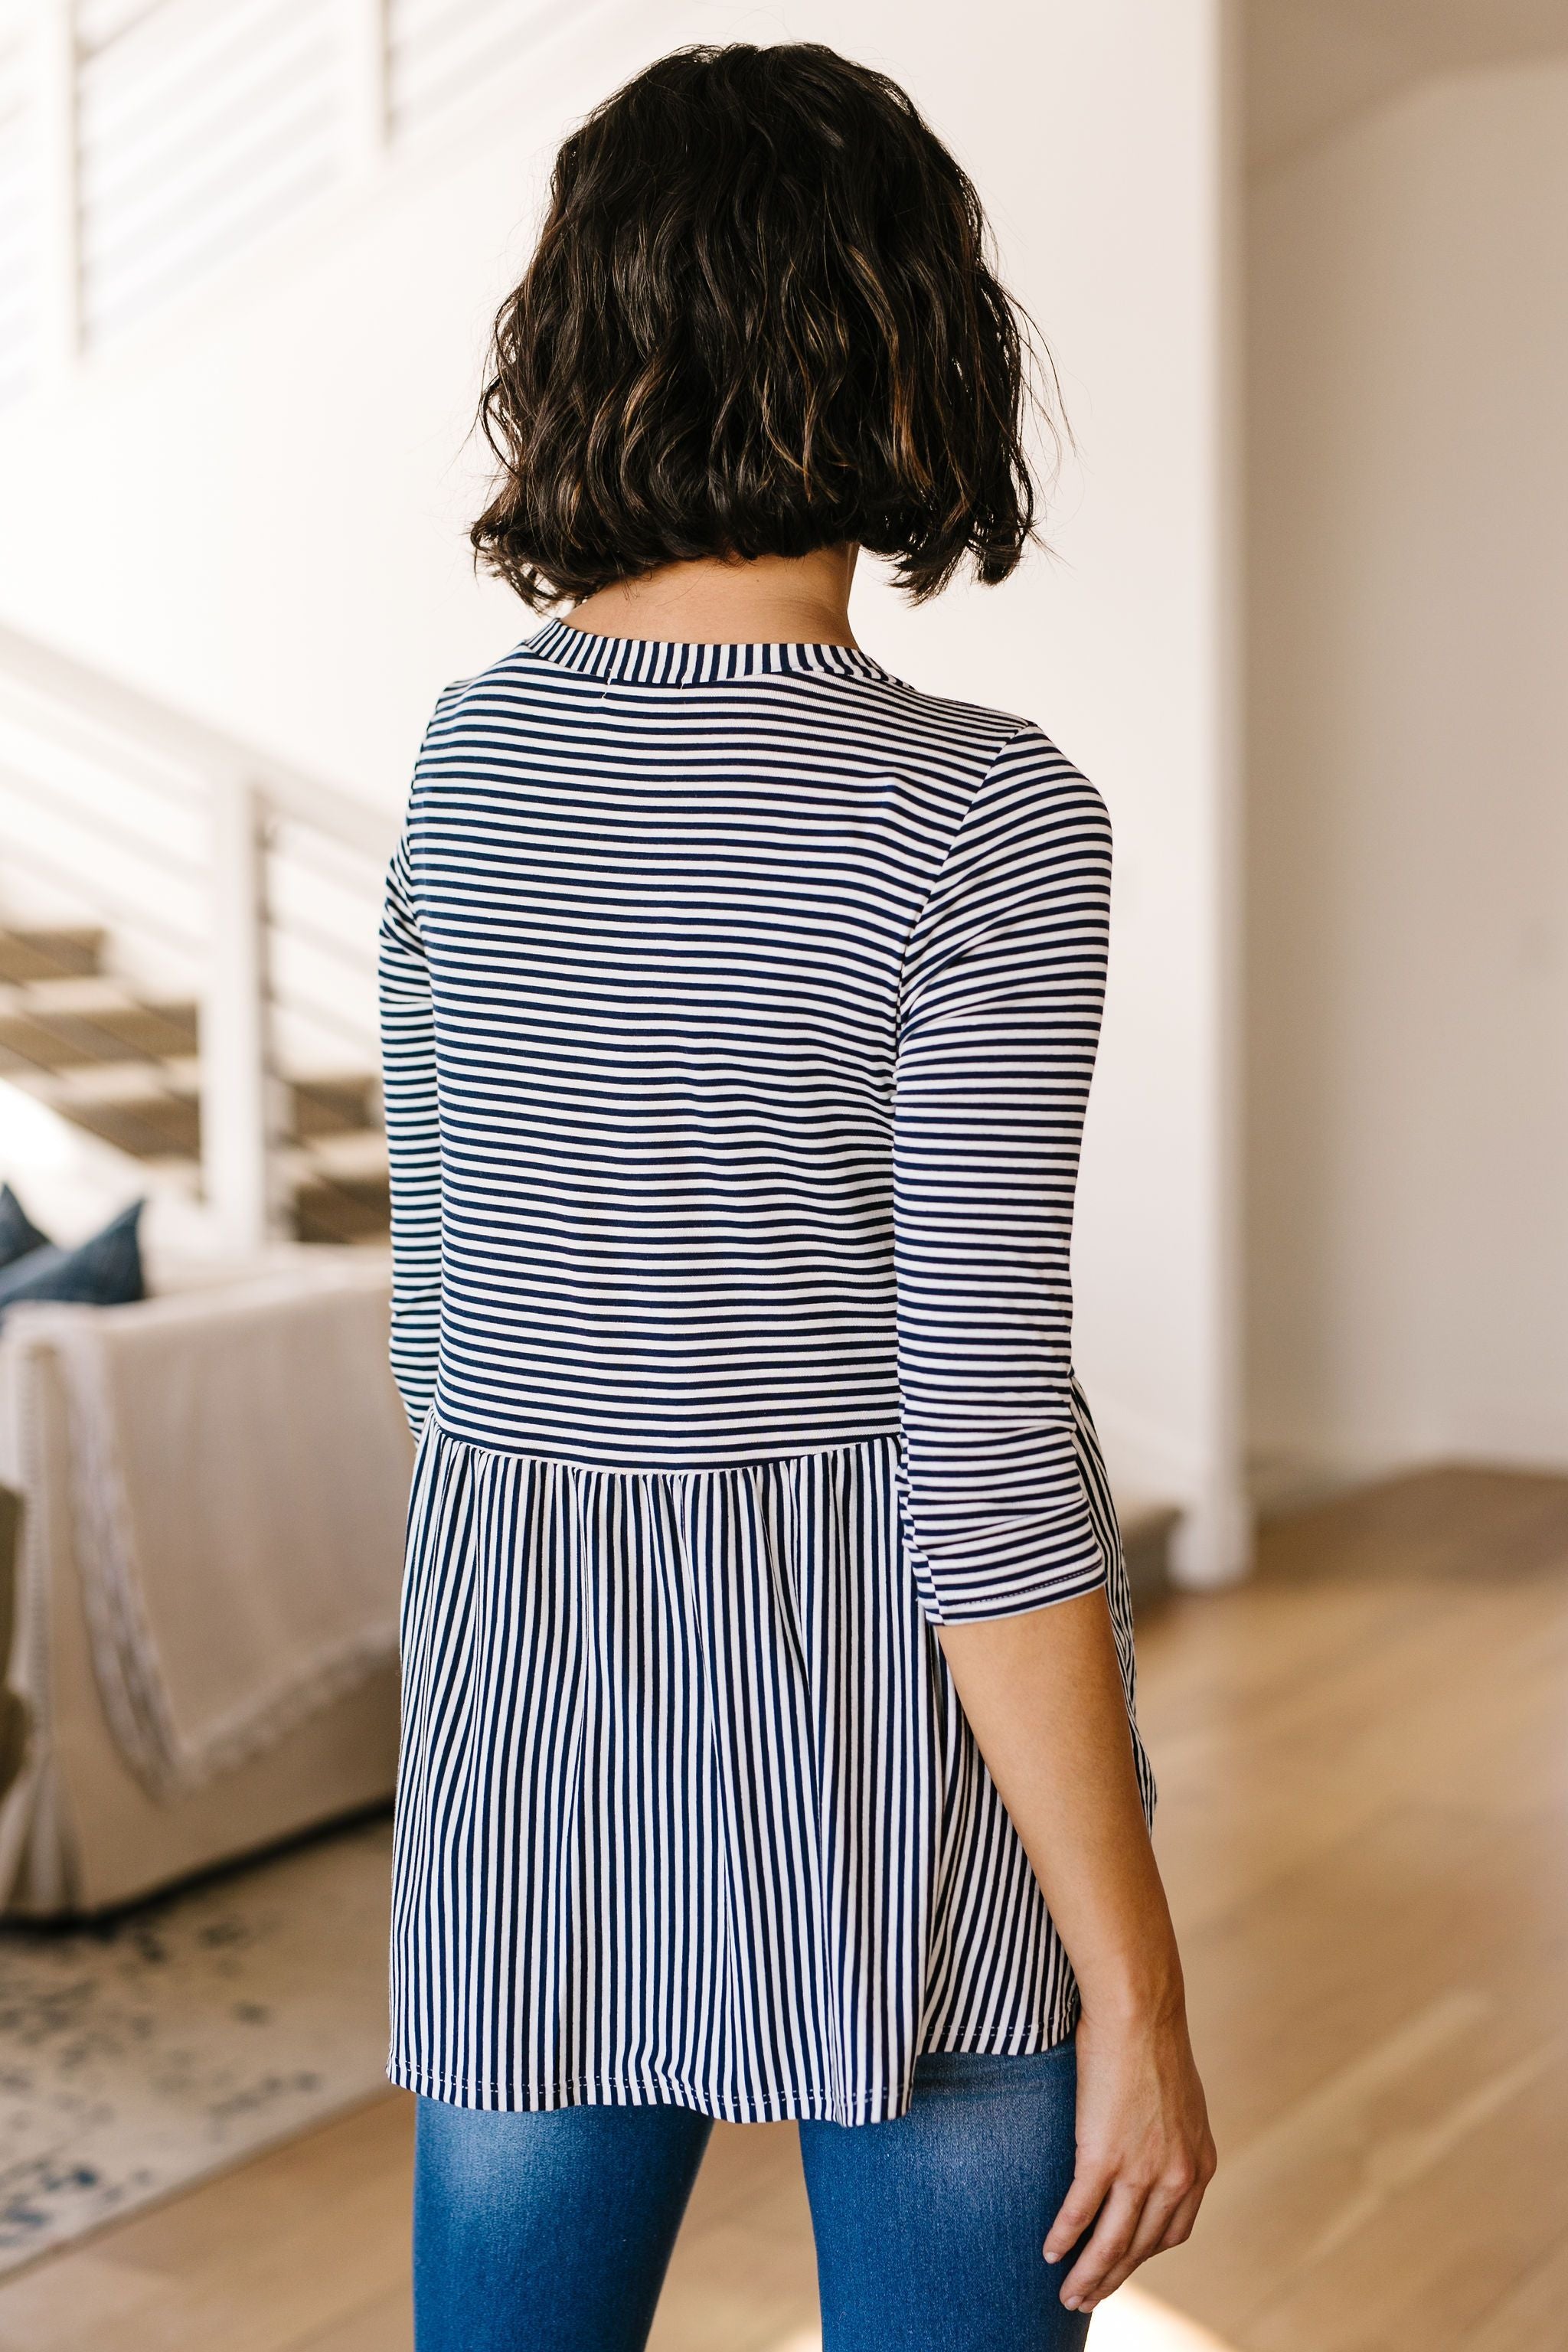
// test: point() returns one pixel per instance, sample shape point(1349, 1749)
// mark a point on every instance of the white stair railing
point(217, 869)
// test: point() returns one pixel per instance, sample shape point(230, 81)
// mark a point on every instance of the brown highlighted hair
point(760, 320)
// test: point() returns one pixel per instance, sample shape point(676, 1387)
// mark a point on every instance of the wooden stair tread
point(153, 1127)
point(59, 952)
point(330, 1210)
point(335, 1116)
point(323, 1107)
point(48, 1040)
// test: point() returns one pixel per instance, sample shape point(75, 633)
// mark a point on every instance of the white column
point(237, 1091)
point(1213, 1543)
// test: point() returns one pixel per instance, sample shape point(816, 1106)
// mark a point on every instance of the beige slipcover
point(213, 1485)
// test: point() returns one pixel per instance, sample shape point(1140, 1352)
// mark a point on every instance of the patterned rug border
point(158, 2045)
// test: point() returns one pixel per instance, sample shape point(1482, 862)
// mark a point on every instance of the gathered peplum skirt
point(687, 1810)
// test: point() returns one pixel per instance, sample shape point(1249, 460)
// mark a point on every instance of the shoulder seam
point(1025, 726)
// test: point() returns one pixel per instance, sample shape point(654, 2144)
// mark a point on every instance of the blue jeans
point(553, 2233)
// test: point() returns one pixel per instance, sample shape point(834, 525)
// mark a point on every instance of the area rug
point(138, 2054)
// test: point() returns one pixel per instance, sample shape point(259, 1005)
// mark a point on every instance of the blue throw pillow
point(18, 1233)
point(103, 1272)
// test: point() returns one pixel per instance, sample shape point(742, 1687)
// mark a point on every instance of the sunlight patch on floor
point(1134, 2321)
point(1130, 2322)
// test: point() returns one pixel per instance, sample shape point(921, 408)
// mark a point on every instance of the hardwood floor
point(1363, 1764)
point(1364, 1767)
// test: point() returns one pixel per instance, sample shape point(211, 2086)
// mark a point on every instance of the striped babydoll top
point(740, 1004)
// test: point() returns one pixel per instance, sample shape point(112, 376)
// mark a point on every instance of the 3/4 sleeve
point(413, 1140)
point(1003, 988)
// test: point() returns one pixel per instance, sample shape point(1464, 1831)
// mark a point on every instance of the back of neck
point(771, 600)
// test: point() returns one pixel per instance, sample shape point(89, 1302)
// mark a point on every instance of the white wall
point(258, 511)
point(1408, 802)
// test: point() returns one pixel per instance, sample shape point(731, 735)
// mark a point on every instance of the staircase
point(128, 1071)
point(186, 955)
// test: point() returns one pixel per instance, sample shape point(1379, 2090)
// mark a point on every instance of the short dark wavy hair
point(761, 318)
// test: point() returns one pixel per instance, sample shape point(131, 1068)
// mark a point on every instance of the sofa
point(202, 1500)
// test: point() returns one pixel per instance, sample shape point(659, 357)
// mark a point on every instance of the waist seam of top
point(432, 1425)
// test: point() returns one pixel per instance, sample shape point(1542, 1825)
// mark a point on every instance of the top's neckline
point(658, 661)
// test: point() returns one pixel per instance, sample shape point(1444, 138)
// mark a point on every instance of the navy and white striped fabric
point(739, 1005)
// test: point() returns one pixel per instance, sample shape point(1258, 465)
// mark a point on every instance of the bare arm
point(1003, 985)
point(1043, 1694)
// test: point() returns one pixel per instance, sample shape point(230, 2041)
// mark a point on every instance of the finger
point(1147, 2239)
point(1179, 2228)
point(1078, 2208)
point(1113, 2233)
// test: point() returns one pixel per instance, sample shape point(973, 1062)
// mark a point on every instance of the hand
point(1146, 2154)
point(1044, 1696)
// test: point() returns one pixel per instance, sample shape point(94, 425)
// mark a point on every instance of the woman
point(768, 1679)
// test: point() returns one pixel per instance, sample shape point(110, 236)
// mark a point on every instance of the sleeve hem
point(1018, 1599)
